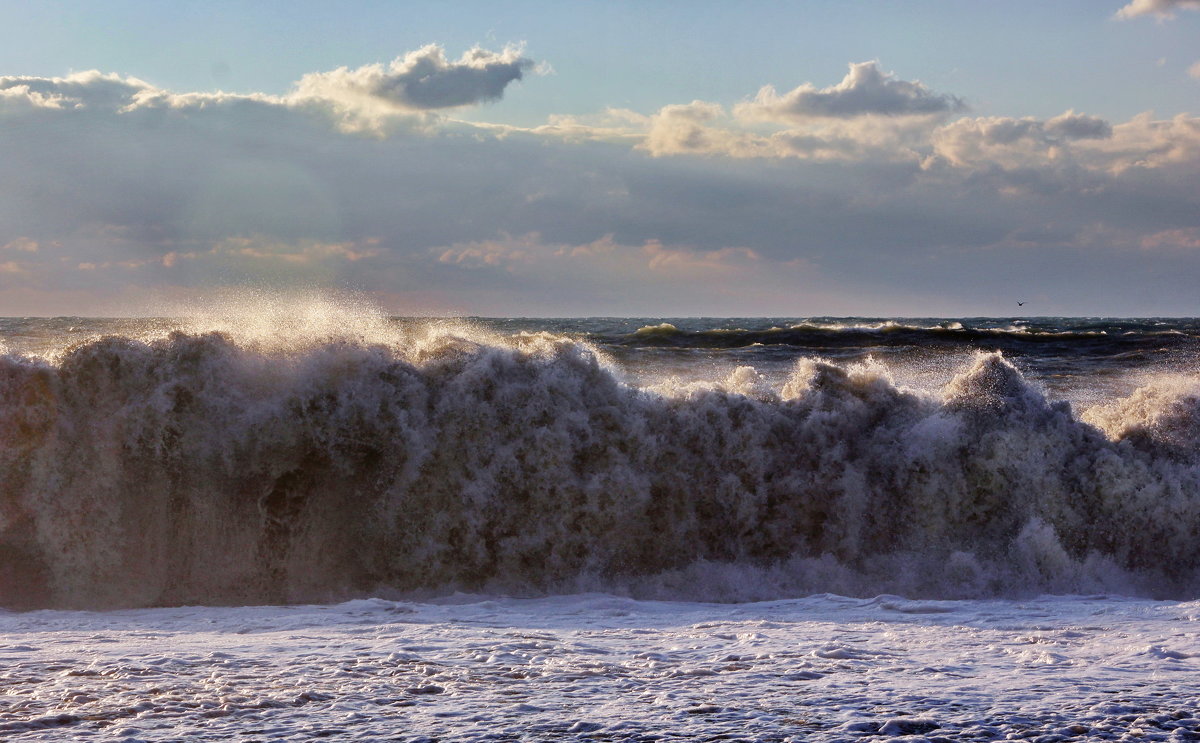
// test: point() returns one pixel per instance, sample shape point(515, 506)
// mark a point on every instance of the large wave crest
point(203, 468)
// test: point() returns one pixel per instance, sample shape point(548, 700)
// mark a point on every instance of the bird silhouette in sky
point(1020, 304)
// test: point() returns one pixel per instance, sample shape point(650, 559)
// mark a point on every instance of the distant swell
point(823, 336)
point(196, 470)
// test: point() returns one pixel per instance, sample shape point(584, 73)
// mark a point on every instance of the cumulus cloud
point(424, 80)
point(1015, 142)
point(689, 129)
point(701, 128)
point(412, 89)
point(870, 115)
point(1071, 139)
point(1071, 126)
point(918, 132)
point(91, 93)
point(1146, 142)
point(20, 97)
point(1158, 8)
point(865, 91)
point(421, 81)
point(90, 89)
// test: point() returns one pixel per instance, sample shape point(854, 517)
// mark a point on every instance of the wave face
point(197, 469)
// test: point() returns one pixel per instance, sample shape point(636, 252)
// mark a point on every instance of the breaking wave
point(203, 468)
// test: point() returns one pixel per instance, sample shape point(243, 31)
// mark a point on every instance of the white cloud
point(1012, 142)
point(869, 116)
point(421, 81)
point(1158, 8)
point(92, 93)
point(18, 96)
point(1073, 126)
point(410, 90)
point(1146, 142)
point(676, 131)
point(90, 89)
point(865, 91)
point(1194, 70)
point(1070, 139)
point(424, 80)
point(689, 129)
point(757, 131)
point(702, 128)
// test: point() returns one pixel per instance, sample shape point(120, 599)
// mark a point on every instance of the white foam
point(584, 666)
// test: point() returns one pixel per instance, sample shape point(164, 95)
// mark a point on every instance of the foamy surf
point(603, 667)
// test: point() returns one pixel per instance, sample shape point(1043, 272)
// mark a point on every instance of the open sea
point(302, 521)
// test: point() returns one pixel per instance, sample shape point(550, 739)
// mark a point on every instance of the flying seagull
point(1020, 304)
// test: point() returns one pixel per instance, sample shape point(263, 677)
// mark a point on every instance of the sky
point(873, 158)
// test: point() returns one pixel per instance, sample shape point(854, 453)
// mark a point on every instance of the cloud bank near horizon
point(871, 195)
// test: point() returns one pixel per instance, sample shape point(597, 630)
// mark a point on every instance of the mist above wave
point(236, 467)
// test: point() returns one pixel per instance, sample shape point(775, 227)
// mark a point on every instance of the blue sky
point(654, 158)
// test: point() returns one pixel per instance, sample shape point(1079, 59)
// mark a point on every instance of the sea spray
point(204, 467)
